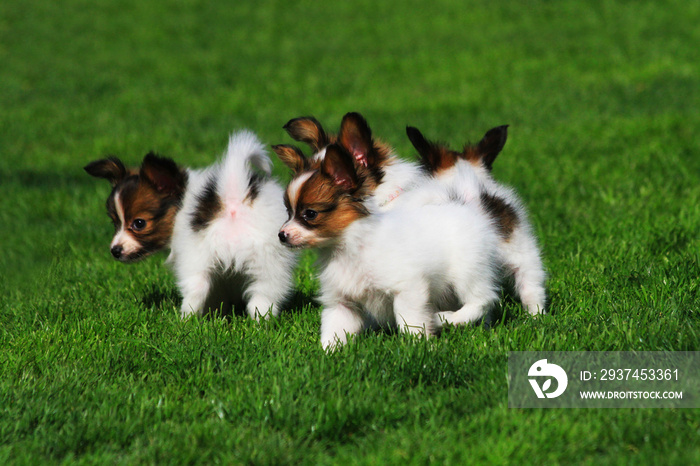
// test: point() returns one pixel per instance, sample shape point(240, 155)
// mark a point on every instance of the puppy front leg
point(337, 322)
point(194, 289)
point(268, 288)
point(261, 307)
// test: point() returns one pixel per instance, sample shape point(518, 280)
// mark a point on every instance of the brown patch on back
point(505, 216)
point(254, 185)
point(208, 206)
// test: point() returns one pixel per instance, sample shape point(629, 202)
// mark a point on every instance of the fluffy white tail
point(244, 155)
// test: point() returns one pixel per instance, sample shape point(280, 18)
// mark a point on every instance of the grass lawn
point(603, 102)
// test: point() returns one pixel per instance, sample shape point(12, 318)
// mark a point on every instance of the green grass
point(96, 367)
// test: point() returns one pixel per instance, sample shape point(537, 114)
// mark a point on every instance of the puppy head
point(437, 157)
point(142, 205)
point(323, 202)
point(369, 156)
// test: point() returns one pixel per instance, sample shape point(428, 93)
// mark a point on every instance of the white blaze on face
point(294, 188)
point(296, 233)
point(123, 237)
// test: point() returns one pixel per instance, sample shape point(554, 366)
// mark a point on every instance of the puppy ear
point(339, 167)
point(163, 174)
point(356, 137)
point(434, 157)
point(111, 169)
point(308, 130)
point(491, 145)
point(291, 156)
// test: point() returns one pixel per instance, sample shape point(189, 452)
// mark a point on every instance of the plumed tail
point(244, 161)
point(245, 152)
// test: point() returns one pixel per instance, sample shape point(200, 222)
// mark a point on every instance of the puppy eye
point(138, 224)
point(309, 214)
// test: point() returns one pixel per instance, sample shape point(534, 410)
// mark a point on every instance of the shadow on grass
point(163, 299)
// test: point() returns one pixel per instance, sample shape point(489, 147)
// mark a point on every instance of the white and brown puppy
point(392, 182)
point(220, 223)
point(467, 174)
point(386, 175)
point(394, 267)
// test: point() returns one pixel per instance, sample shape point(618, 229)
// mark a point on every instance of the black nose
point(283, 236)
point(117, 251)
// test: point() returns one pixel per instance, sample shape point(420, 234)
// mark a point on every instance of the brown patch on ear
point(356, 137)
point(308, 130)
point(291, 156)
point(434, 157)
point(111, 169)
point(502, 213)
point(488, 148)
point(338, 166)
point(163, 174)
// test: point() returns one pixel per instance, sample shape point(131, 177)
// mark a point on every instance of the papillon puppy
point(386, 176)
point(220, 223)
point(467, 175)
point(394, 182)
point(398, 266)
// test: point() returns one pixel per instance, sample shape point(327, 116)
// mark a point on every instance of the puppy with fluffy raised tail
point(396, 267)
point(220, 223)
point(467, 175)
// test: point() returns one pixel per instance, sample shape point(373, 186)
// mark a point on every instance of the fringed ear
point(163, 174)
point(291, 156)
point(111, 169)
point(339, 167)
point(491, 145)
point(356, 137)
point(434, 157)
point(308, 130)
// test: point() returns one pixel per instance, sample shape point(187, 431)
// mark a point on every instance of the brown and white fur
point(220, 224)
point(393, 182)
point(386, 175)
point(398, 266)
point(467, 174)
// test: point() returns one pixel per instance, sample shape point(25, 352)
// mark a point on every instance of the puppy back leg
point(477, 294)
point(522, 258)
point(195, 282)
point(413, 312)
point(270, 284)
point(195, 290)
point(337, 322)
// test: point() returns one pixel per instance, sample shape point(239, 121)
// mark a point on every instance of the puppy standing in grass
point(220, 223)
point(392, 182)
point(467, 175)
point(397, 267)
